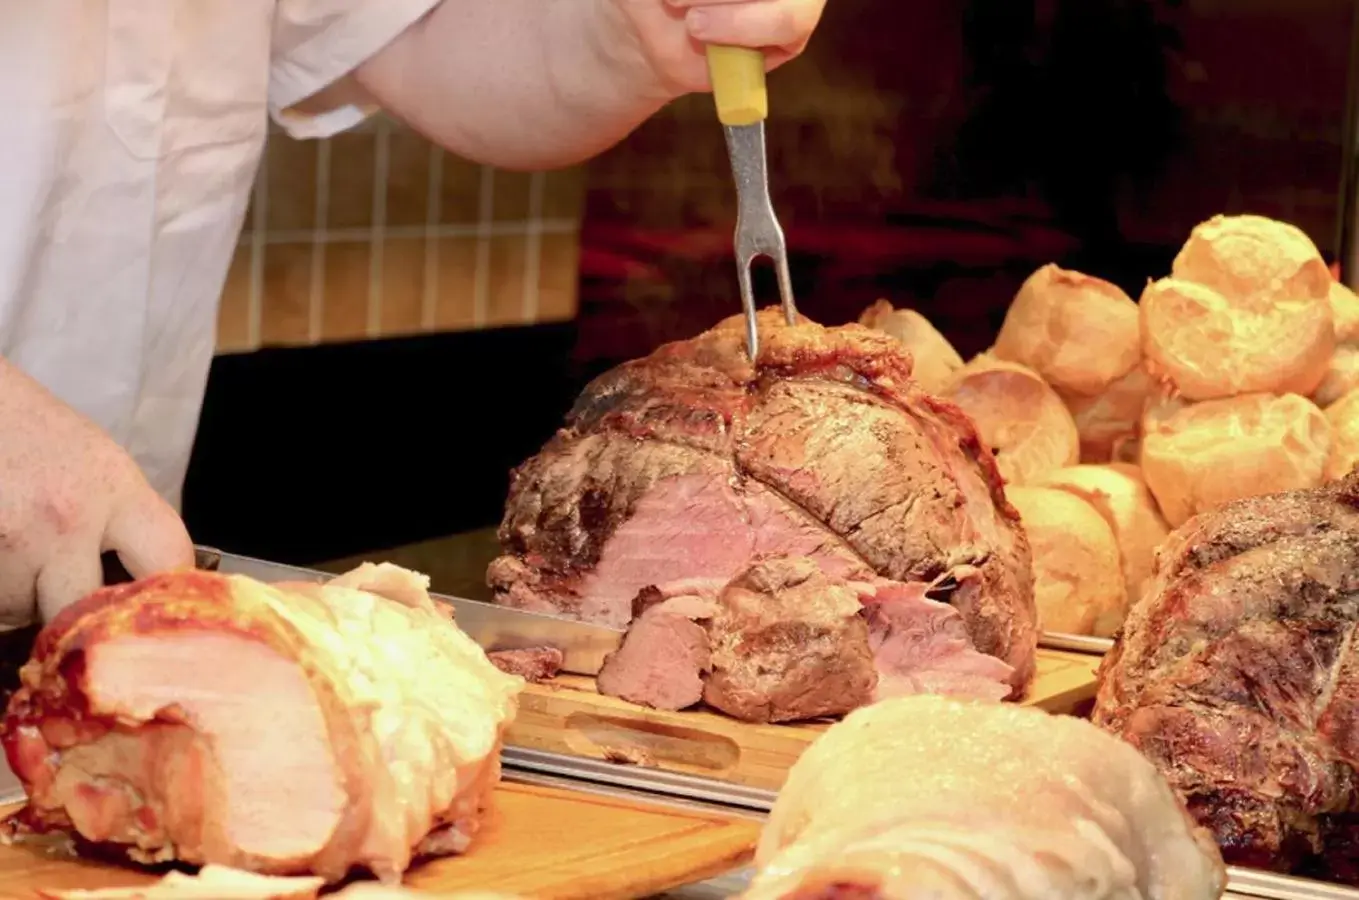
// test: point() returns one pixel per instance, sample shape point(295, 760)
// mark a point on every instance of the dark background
point(932, 152)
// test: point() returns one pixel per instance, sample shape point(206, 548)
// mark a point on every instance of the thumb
point(148, 536)
point(68, 576)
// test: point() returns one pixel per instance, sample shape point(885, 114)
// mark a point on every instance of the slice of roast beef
point(1238, 675)
point(692, 464)
point(665, 654)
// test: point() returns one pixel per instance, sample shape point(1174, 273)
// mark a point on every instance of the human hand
point(68, 493)
point(672, 34)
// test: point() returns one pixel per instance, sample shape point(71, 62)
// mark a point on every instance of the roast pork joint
point(284, 729)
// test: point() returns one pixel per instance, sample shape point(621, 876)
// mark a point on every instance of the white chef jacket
point(130, 136)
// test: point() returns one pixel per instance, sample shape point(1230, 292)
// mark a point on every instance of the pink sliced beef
point(665, 654)
point(920, 646)
point(783, 641)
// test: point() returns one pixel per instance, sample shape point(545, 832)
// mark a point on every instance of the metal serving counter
point(693, 792)
point(665, 789)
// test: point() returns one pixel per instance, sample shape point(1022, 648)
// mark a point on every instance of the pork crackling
point(962, 799)
point(280, 729)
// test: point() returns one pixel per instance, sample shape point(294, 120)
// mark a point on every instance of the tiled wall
point(377, 233)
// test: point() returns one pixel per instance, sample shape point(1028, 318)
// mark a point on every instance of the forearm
point(519, 84)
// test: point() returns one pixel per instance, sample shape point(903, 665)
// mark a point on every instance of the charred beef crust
point(830, 420)
point(788, 645)
point(533, 664)
point(1238, 675)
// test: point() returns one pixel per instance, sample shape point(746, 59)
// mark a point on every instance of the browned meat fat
point(533, 664)
point(694, 464)
point(789, 644)
point(280, 729)
point(1238, 675)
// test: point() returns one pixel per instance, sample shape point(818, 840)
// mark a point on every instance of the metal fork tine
point(785, 285)
point(758, 232)
point(748, 303)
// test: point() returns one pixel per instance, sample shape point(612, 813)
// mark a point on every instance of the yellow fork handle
point(738, 84)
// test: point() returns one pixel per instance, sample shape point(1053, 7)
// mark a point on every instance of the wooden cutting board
point(539, 842)
point(567, 715)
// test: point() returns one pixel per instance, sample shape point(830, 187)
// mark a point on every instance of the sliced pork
point(692, 465)
point(1238, 675)
point(282, 729)
point(950, 799)
point(920, 644)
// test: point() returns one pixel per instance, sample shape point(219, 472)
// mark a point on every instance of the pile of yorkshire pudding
point(1114, 421)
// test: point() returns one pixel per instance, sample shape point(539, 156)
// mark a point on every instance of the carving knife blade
point(583, 644)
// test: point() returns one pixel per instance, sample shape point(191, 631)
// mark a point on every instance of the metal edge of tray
point(694, 792)
point(724, 887)
point(655, 782)
point(1080, 643)
point(1271, 886)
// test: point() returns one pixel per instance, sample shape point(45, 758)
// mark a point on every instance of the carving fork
point(742, 106)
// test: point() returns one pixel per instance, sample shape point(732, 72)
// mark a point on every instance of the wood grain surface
point(540, 842)
point(567, 715)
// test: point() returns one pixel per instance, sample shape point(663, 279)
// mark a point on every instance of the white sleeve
point(316, 44)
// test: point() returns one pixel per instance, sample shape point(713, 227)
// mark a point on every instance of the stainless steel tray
point(689, 790)
point(733, 883)
point(595, 774)
point(537, 767)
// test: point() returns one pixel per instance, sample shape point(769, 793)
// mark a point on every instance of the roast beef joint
point(784, 540)
point(1238, 676)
